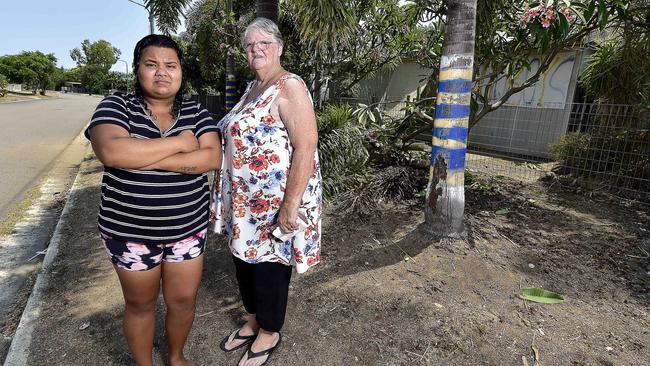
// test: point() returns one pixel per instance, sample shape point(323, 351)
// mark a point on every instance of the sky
point(57, 26)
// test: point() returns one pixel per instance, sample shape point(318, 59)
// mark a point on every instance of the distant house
point(390, 89)
point(525, 125)
point(536, 117)
point(72, 87)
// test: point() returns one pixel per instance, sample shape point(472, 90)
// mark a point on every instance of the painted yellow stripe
point(454, 98)
point(451, 122)
point(447, 143)
point(451, 74)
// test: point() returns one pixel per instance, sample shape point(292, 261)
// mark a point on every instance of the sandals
point(267, 352)
point(247, 339)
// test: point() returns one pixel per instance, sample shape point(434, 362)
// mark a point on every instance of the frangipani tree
point(508, 34)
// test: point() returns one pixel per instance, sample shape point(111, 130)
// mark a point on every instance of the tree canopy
point(100, 53)
point(95, 60)
point(32, 68)
point(167, 13)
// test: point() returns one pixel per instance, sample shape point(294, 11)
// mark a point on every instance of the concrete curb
point(19, 349)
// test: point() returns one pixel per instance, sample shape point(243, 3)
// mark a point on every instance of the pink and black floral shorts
point(133, 256)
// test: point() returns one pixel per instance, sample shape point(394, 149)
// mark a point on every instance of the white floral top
point(256, 164)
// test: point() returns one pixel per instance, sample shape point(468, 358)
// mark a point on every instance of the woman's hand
point(288, 218)
point(188, 142)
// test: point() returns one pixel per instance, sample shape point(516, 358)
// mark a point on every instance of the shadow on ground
point(388, 293)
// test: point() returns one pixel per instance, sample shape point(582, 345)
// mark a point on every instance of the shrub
point(362, 160)
point(343, 151)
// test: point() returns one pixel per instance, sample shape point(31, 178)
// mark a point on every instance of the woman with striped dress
point(156, 149)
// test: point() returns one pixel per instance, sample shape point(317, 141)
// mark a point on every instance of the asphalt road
point(33, 134)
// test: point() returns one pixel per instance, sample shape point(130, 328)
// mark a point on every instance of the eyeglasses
point(262, 45)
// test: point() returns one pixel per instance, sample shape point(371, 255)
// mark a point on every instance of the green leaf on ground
point(541, 295)
point(502, 211)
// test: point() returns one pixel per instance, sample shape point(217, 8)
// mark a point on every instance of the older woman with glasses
point(270, 197)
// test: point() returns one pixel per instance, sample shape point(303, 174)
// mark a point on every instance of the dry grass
point(17, 213)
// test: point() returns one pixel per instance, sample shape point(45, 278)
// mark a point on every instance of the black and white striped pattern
point(151, 206)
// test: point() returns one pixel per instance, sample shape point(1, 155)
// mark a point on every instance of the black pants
point(264, 289)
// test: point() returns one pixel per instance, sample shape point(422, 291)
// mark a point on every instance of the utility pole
point(125, 65)
point(151, 20)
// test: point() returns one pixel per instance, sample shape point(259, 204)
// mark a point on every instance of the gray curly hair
point(266, 26)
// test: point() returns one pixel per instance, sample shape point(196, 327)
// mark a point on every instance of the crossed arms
point(183, 153)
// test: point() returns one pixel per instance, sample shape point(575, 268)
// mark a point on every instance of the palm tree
point(231, 78)
point(323, 25)
point(268, 9)
point(167, 13)
point(445, 202)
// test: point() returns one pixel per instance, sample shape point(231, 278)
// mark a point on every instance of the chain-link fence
point(602, 146)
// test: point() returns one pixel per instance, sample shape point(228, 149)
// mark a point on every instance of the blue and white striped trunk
point(446, 190)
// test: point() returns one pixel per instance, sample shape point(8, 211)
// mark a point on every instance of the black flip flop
point(247, 339)
point(267, 352)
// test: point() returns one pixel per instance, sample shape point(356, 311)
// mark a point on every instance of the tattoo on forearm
point(188, 169)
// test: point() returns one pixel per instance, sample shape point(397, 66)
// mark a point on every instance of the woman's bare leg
point(180, 285)
point(140, 290)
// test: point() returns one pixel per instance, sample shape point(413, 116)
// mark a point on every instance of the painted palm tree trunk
point(446, 190)
point(267, 9)
point(231, 79)
point(231, 84)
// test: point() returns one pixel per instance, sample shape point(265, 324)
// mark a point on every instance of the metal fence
point(608, 147)
point(213, 103)
point(604, 147)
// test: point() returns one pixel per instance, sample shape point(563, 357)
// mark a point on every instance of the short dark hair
point(157, 40)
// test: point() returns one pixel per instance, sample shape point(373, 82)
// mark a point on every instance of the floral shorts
point(133, 256)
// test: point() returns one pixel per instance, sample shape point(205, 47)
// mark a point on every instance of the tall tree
point(100, 53)
point(268, 9)
point(509, 35)
point(445, 202)
point(231, 78)
point(324, 26)
point(33, 68)
point(94, 60)
point(167, 13)
point(4, 83)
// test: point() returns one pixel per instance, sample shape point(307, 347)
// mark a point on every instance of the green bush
point(334, 116)
point(343, 150)
point(362, 160)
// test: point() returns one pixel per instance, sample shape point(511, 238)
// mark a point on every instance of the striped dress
point(151, 206)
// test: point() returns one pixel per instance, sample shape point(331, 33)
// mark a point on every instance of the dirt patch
point(390, 293)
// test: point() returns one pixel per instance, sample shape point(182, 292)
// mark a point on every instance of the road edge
point(21, 341)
